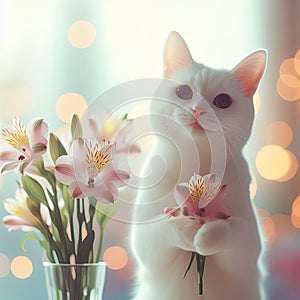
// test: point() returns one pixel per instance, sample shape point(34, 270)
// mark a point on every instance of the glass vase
point(75, 282)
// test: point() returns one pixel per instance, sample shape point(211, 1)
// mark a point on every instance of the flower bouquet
point(200, 200)
point(65, 203)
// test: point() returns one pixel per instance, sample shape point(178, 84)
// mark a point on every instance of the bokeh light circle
point(4, 265)
point(288, 67)
point(253, 188)
point(287, 93)
point(69, 104)
point(257, 102)
point(115, 257)
point(19, 100)
point(273, 162)
point(296, 202)
point(82, 34)
point(279, 133)
point(292, 170)
point(268, 228)
point(21, 267)
point(295, 215)
point(297, 62)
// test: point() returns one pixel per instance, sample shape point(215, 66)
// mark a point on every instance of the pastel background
point(56, 57)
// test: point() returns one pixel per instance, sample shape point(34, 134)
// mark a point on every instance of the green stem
point(100, 243)
point(52, 181)
point(92, 211)
point(200, 270)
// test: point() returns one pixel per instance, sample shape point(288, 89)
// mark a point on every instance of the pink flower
point(89, 171)
point(20, 216)
point(200, 199)
point(114, 129)
point(25, 144)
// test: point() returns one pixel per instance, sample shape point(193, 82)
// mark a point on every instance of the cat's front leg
point(182, 232)
point(232, 240)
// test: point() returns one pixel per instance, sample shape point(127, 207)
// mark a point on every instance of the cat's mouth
point(187, 118)
point(196, 125)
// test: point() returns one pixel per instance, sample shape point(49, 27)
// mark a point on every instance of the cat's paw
point(213, 237)
point(182, 232)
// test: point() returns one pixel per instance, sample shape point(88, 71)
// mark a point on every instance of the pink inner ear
point(249, 72)
point(176, 55)
point(252, 84)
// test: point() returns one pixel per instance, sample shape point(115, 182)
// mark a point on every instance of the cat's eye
point(184, 92)
point(222, 101)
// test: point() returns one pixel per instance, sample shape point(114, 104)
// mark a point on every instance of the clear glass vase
point(75, 282)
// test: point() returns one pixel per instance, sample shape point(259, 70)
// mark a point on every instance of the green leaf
point(46, 245)
point(26, 237)
point(56, 147)
point(105, 211)
point(76, 129)
point(34, 190)
point(55, 233)
point(69, 201)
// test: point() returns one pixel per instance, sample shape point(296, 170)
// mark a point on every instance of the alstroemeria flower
point(20, 216)
point(200, 199)
point(114, 129)
point(89, 171)
point(25, 144)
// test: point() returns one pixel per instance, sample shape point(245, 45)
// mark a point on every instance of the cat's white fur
point(161, 245)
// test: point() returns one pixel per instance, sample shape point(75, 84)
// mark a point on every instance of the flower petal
point(212, 185)
point(215, 210)
point(11, 155)
point(118, 177)
point(37, 131)
point(64, 171)
point(8, 167)
point(14, 222)
point(74, 190)
point(181, 193)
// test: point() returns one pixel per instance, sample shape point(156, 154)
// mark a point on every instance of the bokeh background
point(57, 56)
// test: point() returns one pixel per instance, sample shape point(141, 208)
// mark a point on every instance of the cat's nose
point(198, 111)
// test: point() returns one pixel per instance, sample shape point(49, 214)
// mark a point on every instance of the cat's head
point(208, 99)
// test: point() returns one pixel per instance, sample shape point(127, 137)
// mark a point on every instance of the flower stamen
point(197, 188)
point(17, 137)
point(96, 158)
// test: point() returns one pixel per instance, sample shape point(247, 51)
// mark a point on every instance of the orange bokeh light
point(253, 188)
point(292, 170)
point(69, 104)
point(297, 62)
point(21, 267)
point(288, 67)
point(115, 257)
point(288, 93)
point(273, 162)
point(288, 84)
point(295, 216)
point(296, 202)
point(82, 34)
point(268, 228)
point(279, 133)
point(257, 102)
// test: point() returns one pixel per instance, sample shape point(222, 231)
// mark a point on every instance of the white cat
point(161, 245)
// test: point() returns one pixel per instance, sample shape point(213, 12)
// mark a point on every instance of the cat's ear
point(176, 54)
point(249, 72)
